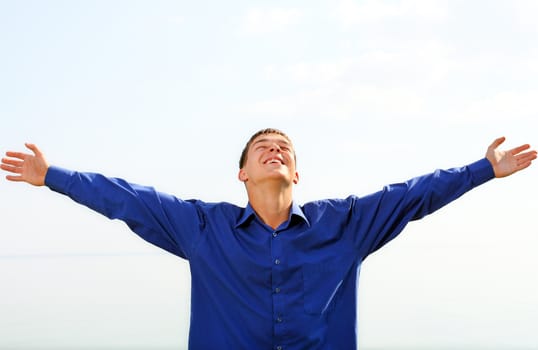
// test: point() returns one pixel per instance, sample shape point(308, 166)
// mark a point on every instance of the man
point(273, 275)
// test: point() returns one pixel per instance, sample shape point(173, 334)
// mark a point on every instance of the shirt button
point(279, 347)
point(279, 319)
point(277, 262)
point(277, 290)
point(275, 234)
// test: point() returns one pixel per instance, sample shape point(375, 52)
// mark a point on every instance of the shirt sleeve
point(163, 220)
point(382, 216)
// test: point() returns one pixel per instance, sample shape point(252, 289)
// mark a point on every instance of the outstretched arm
point(161, 219)
point(26, 167)
point(510, 161)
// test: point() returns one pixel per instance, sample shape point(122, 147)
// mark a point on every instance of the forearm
point(146, 211)
point(383, 215)
point(428, 193)
point(108, 196)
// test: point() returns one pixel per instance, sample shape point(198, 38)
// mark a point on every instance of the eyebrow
point(280, 141)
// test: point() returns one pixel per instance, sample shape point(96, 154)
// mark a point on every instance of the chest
point(301, 259)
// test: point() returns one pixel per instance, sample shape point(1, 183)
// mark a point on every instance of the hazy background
point(166, 93)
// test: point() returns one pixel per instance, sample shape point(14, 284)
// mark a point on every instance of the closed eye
point(263, 144)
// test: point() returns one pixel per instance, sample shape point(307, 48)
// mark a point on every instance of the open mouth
point(273, 161)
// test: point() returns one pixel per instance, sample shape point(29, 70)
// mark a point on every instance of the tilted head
point(268, 152)
point(244, 153)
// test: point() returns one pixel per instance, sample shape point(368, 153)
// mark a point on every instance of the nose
point(275, 148)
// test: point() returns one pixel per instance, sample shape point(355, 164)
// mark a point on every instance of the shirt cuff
point(482, 171)
point(57, 178)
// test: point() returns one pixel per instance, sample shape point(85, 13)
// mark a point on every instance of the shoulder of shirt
point(329, 202)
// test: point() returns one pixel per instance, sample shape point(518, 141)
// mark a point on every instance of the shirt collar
point(295, 211)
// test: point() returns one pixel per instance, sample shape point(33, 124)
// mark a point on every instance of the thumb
point(34, 149)
point(497, 142)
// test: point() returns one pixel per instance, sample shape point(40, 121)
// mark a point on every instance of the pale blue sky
point(166, 93)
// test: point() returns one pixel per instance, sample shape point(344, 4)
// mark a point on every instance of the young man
point(273, 275)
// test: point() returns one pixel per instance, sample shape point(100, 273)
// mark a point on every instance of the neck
point(271, 205)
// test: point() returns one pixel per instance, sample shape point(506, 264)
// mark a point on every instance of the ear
point(242, 175)
point(296, 178)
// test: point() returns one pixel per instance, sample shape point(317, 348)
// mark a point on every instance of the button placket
point(278, 295)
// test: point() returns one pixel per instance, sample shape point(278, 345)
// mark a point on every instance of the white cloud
point(350, 12)
point(416, 61)
point(381, 83)
point(422, 62)
point(270, 20)
point(526, 11)
point(532, 62)
point(175, 20)
point(386, 84)
point(309, 72)
point(340, 102)
point(511, 106)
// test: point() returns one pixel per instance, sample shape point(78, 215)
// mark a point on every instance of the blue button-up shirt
point(254, 287)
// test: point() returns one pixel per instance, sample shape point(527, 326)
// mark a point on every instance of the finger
point(18, 155)
point(34, 149)
point(14, 178)
point(523, 165)
point(14, 162)
point(11, 169)
point(519, 149)
point(497, 142)
point(526, 157)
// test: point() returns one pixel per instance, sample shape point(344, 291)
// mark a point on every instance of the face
point(270, 157)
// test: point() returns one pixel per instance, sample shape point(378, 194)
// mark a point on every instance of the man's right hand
point(27, 167)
